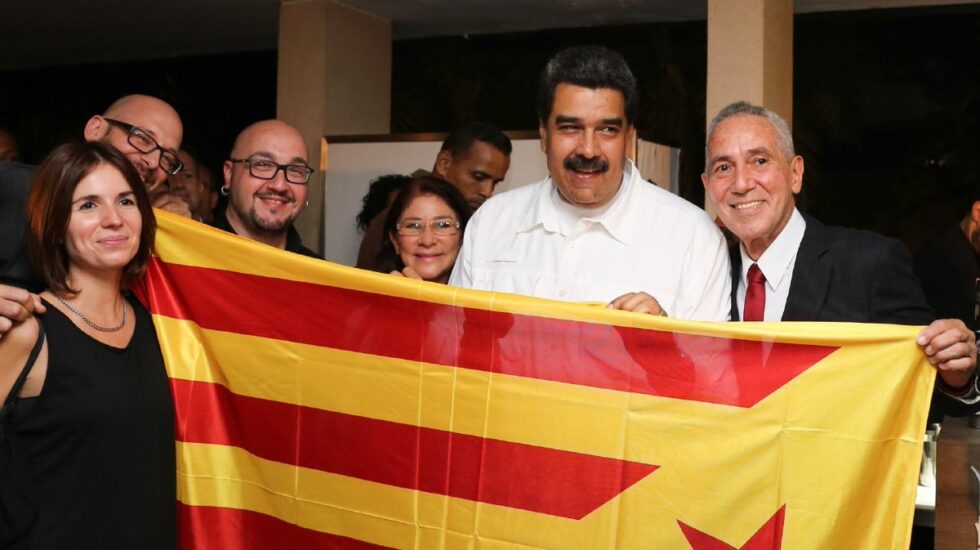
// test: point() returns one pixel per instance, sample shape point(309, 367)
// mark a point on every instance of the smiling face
point(186, 184)
point(475, 173)
point(751, 181)
point(261, 209)
point(432, 256)
point(585, 141)
point(157, 118)
point(103, 231)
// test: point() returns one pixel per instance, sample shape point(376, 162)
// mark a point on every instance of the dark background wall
point(886, 106)
point(216, 96)
point(887, 115)
point(441, 82)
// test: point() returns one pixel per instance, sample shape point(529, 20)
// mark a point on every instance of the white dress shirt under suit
point(776, 263)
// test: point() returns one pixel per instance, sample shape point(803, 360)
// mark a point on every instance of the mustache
point(585, 164)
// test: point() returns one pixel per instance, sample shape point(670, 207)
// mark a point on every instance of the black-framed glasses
point(413, 227)
point(265, 169)
point(144, 143)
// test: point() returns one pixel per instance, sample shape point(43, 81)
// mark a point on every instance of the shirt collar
point(615, 219)
point(775, 261)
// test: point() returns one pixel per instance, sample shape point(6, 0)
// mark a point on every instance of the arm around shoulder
point(16, 305)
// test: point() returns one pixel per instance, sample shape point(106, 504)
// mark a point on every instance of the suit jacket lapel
point(735, 256)
point(811, 275)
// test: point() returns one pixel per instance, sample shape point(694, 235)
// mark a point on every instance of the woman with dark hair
point(381, 193)
point(89, 432)
point(370, 220)
point(424, 230)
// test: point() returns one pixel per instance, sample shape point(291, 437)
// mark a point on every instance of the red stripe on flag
point(767, 537)
point(549, 481)
point(207, 527)
point(691, 367)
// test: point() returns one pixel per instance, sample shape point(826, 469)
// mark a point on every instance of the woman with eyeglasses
point(424, 230)
point(88, 457)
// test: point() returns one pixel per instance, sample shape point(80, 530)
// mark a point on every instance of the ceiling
point(58, 32)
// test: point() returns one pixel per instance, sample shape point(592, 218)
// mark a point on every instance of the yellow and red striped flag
point(321, 406)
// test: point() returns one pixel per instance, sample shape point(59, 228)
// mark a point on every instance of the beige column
point(334, 79)
point(750, 54)
point(750, 57)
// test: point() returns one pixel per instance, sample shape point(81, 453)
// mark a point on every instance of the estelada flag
point(321, 406)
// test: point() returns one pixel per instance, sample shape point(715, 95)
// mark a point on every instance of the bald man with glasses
point(265, 180)
point(148, 131)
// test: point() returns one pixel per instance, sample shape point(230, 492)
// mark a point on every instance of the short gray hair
point(738, 108)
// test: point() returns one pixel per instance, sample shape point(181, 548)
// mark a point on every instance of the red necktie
point(755, 295)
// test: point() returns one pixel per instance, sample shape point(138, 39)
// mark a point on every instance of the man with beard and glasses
point(265, 182)
point(595, 231)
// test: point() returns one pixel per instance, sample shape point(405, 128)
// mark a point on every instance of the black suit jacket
point(848, 275)
point(948, 268)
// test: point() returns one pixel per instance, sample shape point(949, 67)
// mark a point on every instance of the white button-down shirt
point(776, 263)
point(527, 241)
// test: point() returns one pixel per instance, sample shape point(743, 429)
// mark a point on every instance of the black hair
point(460, 140)
point(388, 259)
point(590, 67)
point(376, 199)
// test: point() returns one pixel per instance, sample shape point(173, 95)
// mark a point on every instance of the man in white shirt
point(595, 231)
point(791, 267)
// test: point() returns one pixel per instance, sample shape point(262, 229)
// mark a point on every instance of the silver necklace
point(90, 323)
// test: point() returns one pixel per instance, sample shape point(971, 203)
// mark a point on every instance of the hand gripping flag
point(321, 406)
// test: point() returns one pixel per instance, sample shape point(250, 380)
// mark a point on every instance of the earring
point(224, 191)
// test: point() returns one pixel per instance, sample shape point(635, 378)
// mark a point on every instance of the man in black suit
point(790, 267)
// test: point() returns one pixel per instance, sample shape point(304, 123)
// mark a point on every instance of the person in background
point(423, 230)
point(187, 185)
point(210, 199)
point(949, 266)
point(90, 431)
point(9, 150)
point(949, 269)
point(148, 131)
point(374, 210)
point(475, 159)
